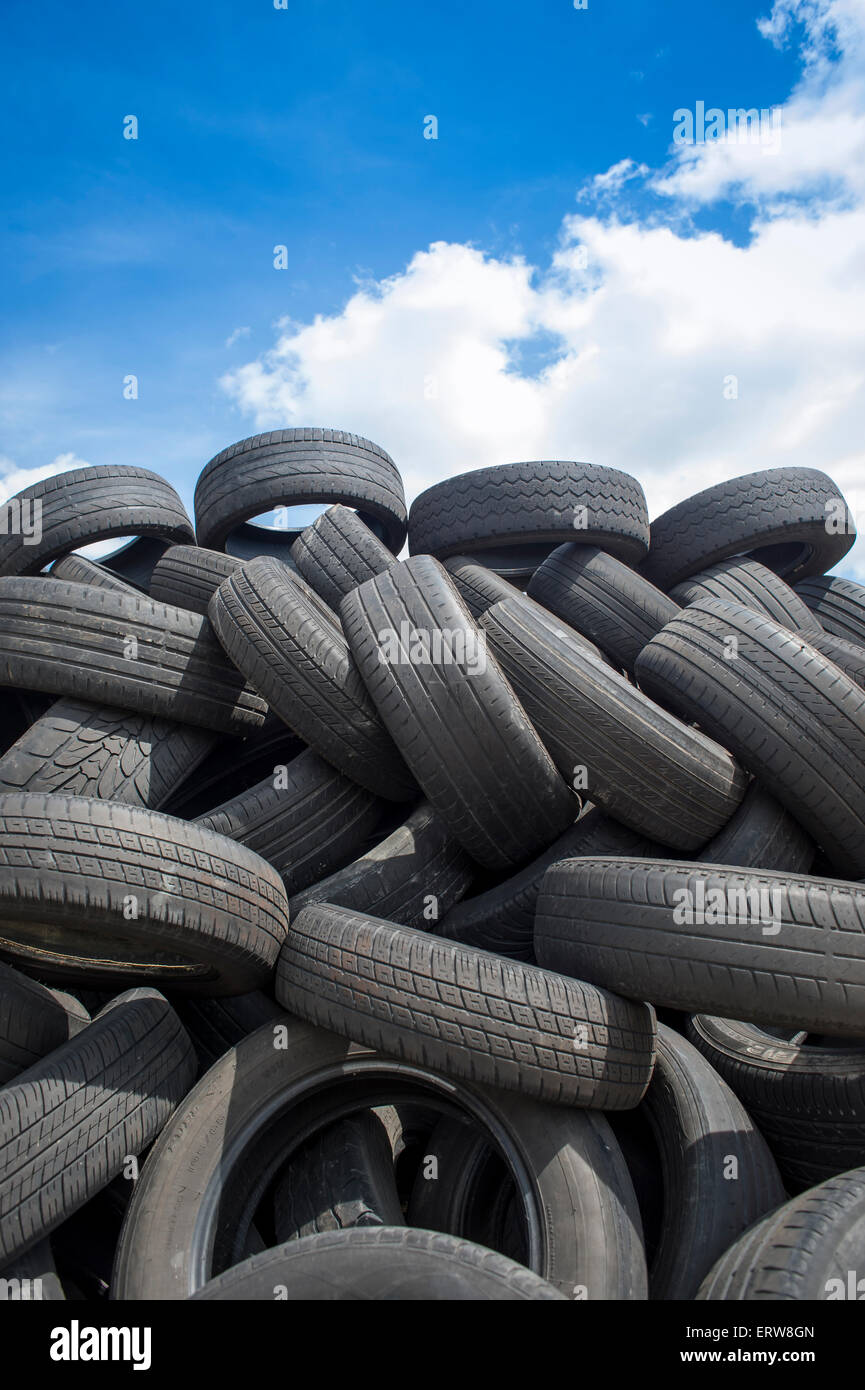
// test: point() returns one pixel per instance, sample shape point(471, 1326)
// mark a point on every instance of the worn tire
point(77, 569)
point(643, 767)
point(32, 1023)
point(292, 650)
point(233, 766)
point(462, 731)
point(211, 915)
point(809, 1100)
point(290, 468)
point(803, 1251)
point(848, 655)
point(754, 586)
point(70, 1120)
point(466, 1012)
point(342, 1177)
point(794, 958)
point(603, 599)
point(789, 715)
point(338, 552)
point(396, 878)
point(478, 587)
point(94, 504)
point(838, 604)
point(187, 576)
point(759, 835)
point(68, 639)
point(523, 509)
point(307, 828)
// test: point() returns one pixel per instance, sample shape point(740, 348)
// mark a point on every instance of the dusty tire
point(753, 586)
point(68, 639)
point(804, 1250)
point(338, 552)
point(466, 1012)
point(101, 1096)
point(292, 650)
point(233, 766)
point(838, 604)
point(411, 877)
point(848, 655)
point(603, 599)
point(77, 569)
point(789, 715)
point(478, 587)
point(809, 1100)
point(187, 576)
point(523, 509)
point(307, 827)
point(777, 517)
point(455, 718)
point(216, 1025)
point(645, 768)
point(290, 468)
point(89, 750)
point(93, 504)
point(32, 1023)
point(211, 915)
point(342, 1177)
point(793, 957)
point(759, 835)
point(244, 1119)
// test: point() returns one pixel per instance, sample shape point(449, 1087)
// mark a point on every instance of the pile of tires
point(487, 924)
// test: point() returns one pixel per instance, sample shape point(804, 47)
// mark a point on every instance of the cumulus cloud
point(14, 479)
point(679, 356)
point(236, 335)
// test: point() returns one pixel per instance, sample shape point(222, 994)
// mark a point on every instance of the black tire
point(292, 650)
point(642, 766)
point(807, 1249)
point(217, 1025)
point(789, 715)
point(807, 1098)
point(77, 569)
point(848, 655)
point(754, 586)
point(32, 1023)
point(778, 517)
point(412, 877)
point(462, 1188)
point(70, 1120)
point(717, 1174)
point(455, 718)
point(88, 750)
point(526, 508)
point(839, 605)
point(18, 710)
point(68, 639)
point(478, 587)
point(794, 957)
point(234, 766)
point(307, 827)
point(290, 468)
point(93, 504)
point(338, 552)
point(187, 576)
point(32, 1277)
point(466, 1012)
point(390, 1264)
point(77, 1015)
point(759, 835)
point(199, 1190)
point(211, 915)
point(502, 919)
point(342, 1177)
point(603, 599)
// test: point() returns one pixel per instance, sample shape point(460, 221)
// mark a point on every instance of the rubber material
point(753, 586)
point(187, 576)
point(338, 552)
point(32, 1023)
point(341, 1178)
point(839, 604)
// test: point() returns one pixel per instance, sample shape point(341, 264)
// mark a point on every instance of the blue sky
point(304, 127)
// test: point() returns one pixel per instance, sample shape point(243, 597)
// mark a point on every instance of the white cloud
point(652, 319)
point(236, 335)
point(14, 479)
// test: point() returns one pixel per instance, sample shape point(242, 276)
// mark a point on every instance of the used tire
point(188, 576)
point(233, 766)
point(453, 715)
point(94, 504)
point(307, 826)
point(778, 517)
point(77, 569)
point(603, 599)
point(466, 1012)
point(412, 877)
point(390, 1264)
point(642, 766)
point(848, 655)
point(760, 834)
point(523, 509)
point(810, 1249)
point(32, 1023)
point(107, 895)
point(478, 586)
point(292, 650)
point(291, 468)
point(123, 650)
point(781, 949)
point(101, 1096)
point(338, 552)
point(789, 715)
point(341, 1178)
point(89, 750)
point(198, 1193)
point(839, 605)
point(808, 1098)
point(754, 586)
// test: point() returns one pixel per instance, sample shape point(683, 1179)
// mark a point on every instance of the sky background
point(551, 277)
